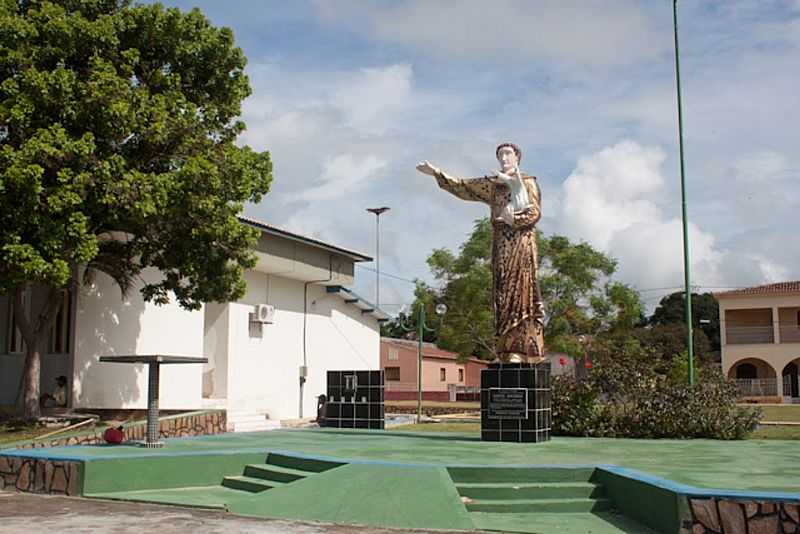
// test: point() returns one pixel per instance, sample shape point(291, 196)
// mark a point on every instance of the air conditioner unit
point(263, 313)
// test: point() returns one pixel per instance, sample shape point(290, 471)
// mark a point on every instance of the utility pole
point(686, 263)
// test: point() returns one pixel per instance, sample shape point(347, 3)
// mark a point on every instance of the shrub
point(646, 405)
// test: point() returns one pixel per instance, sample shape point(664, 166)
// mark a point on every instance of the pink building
point(442, 372)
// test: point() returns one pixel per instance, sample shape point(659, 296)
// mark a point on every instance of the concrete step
point(600, 523)
point(301, 464)
point(250, 484)
point(274, 473)
point(212, 403)
point(531, 490)
point(250, 422)
point(256, 426)
point(542, 506)
point(488, 475)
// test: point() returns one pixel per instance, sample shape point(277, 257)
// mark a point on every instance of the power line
point(644, 290)
point(384, 273)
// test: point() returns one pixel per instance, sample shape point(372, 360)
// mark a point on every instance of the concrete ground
point(24, 512)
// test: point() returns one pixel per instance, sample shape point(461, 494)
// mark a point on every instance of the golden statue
point(515, 202)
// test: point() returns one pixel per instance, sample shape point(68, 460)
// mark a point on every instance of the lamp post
point(377, 212)
point(421, 328)
point(686, 273)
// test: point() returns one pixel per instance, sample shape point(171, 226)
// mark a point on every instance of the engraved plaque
point(508, 403)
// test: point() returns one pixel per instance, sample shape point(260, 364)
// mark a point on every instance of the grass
point(777, 432)
point(764, 432)
point(11, 431)
point(434, 404)
point(780, 412)
point(439, 427)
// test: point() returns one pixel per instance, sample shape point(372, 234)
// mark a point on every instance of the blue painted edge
point(666, 484)
point(692, 491)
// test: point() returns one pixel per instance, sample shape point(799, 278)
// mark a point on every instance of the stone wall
point(39, 476)
point(177, 426)
point(727, 516)
point(58, 477)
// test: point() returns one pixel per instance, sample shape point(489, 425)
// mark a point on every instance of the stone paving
point(20, 512)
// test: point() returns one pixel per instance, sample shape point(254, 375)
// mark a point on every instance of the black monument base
point(354, 400)
point(515, 402)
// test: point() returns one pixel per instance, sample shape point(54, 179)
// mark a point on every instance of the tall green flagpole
point(686, 271)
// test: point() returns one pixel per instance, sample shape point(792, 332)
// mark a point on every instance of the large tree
point(117, 153)
point(671, 310)
point(579, 296)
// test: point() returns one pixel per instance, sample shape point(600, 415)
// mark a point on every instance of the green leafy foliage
point(671, 310)
point(119, 152)
point(624, 396)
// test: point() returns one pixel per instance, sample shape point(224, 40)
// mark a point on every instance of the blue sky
point(349, 95)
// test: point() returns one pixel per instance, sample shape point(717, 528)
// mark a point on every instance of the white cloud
point(610, 191)
point(612, 201)
point(587, 32)
point(341, 175)
point(372, 99)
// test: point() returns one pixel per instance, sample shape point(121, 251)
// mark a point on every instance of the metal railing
point(743, 335)
point(454, 389)
point(757, 387)
point(790, 333)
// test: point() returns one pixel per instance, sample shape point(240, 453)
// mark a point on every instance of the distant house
point(273, 366)
point(760, 333)
point(443, 375)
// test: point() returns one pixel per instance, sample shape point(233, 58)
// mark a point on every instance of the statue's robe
point(518, 308)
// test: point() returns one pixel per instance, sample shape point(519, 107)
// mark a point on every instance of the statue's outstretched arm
point(473, 189)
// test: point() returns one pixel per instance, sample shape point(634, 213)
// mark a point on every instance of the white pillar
point(776, 325)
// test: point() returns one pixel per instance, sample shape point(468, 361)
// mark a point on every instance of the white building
point(253, 367)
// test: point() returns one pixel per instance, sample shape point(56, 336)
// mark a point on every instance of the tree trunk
point(34, 325)
point(31, 386)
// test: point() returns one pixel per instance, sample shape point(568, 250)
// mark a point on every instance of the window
point(393, 355)
point(442, 374)
point(392, 374)
point(460, 375)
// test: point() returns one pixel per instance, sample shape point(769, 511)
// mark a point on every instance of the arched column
point(760, 385)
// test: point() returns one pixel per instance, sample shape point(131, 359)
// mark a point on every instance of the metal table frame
point(154, 362)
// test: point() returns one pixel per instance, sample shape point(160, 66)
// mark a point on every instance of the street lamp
point(377, 212)
point(421, 327)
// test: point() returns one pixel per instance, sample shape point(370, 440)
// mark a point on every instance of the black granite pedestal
point(355, 400)
point(515, 402)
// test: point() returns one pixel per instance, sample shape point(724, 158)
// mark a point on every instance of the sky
point(349, 95)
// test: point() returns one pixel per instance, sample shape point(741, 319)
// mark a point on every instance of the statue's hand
point(426, 168)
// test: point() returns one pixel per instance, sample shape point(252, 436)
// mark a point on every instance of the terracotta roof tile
point(767, 289)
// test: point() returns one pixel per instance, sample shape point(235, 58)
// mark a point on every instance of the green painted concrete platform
point(769, 465)
point(437, 481)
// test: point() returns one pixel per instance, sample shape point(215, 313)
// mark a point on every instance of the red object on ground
point(588, 365)
point(113, 436)
point(562, 361)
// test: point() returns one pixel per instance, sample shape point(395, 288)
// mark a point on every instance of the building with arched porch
point(760, 333)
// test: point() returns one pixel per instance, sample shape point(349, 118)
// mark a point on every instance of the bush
point(647, 405)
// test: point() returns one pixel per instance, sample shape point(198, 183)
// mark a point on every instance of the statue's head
point(509, 156)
